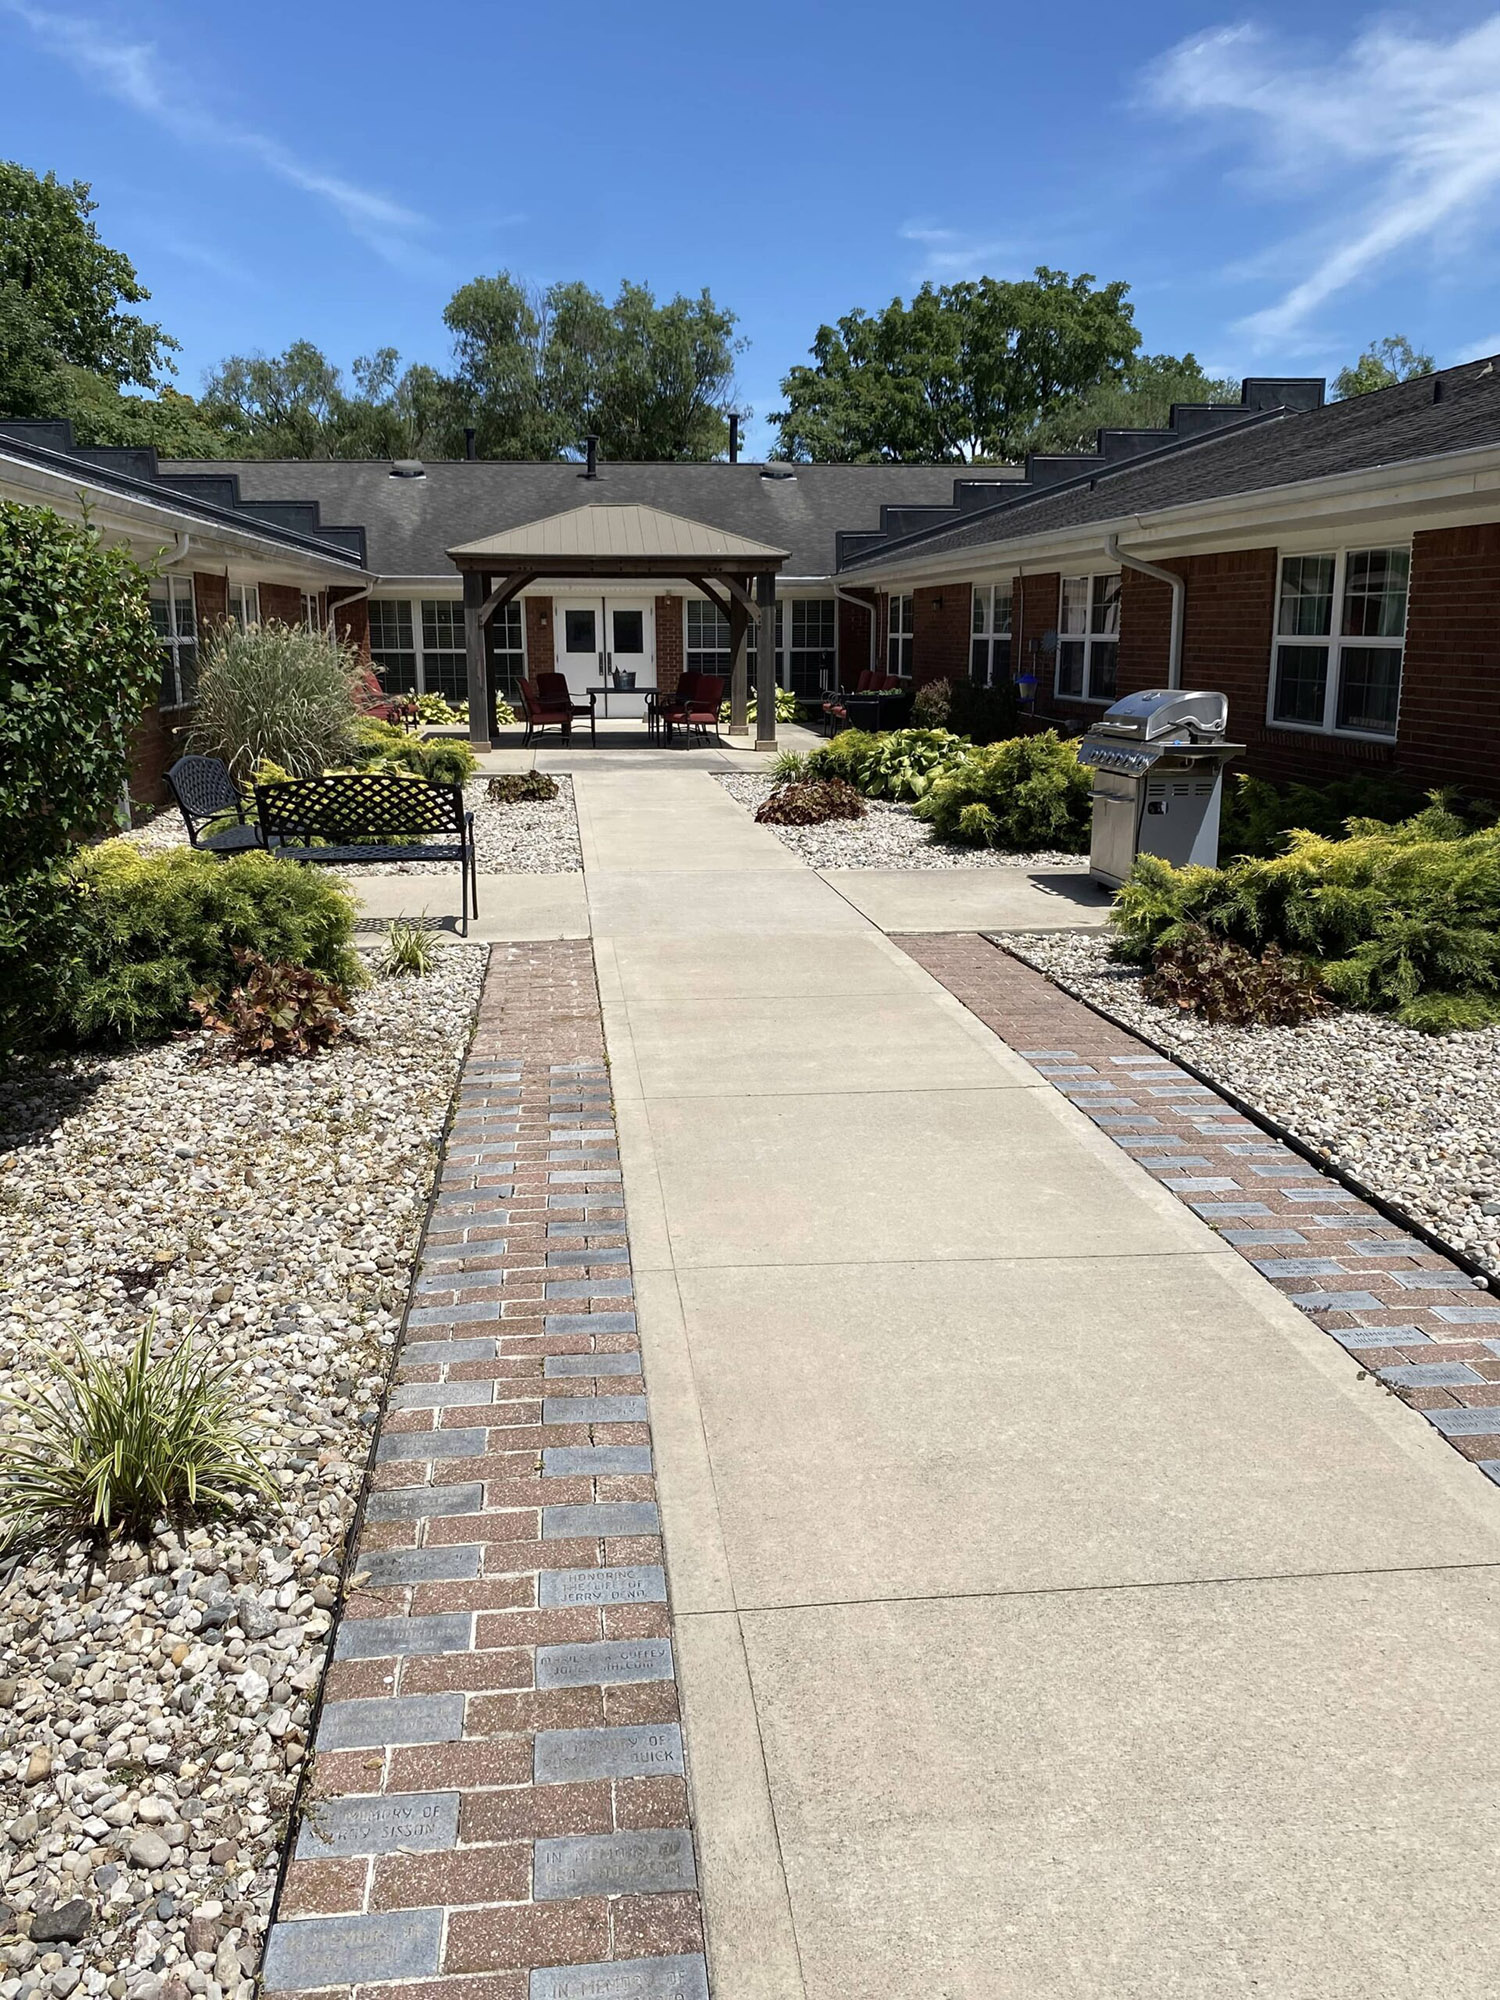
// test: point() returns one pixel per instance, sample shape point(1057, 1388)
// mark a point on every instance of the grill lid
point(1166, 715)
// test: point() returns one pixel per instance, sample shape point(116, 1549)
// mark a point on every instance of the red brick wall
point(669, 623)
point(158, 740)
point(1034, 613)
point(351, 621)
point(540, 652)
point(211, 600)
point(281, 604)
point(853, 641)
point(1450, 680)
point(940, 645)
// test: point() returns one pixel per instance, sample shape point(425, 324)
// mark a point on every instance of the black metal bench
point(365, 817)
point(205, 792)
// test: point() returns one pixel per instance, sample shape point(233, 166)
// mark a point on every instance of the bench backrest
point(202, 788)
point(357, 805)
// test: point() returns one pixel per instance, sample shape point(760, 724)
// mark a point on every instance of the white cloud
point(1399, 131)
point(135, 73)
point(950, 254)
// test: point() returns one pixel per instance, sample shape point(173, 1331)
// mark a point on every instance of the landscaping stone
point(889, 836)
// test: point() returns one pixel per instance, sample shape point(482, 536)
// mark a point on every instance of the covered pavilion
point(605, 543)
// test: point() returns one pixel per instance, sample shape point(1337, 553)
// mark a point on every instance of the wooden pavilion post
point(765, 662)
point(474, 656)
point(739, 667)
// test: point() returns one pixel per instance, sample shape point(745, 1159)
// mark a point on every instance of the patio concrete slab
point(797, 966)
point(510, 906)
point(723, 902)
point(974, 899)
point(1203, 1790)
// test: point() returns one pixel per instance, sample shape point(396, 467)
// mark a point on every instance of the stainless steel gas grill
point(1158, 760)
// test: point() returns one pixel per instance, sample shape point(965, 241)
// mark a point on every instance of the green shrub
point(278, 693)
point(930, 705)
point(156, 928)
point(111, 1446)
point(1029, 792)
point(896, 764)
point(984, 715)
point(381, 746)
point(1402, 920)
point(1202, 973)
point(809, 802)
point(521, 787)
point(274, 1011)
point(788, 708)
point(1257, 815)
point(78, 659)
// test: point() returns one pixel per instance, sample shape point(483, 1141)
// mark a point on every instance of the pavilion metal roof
point(606, 534)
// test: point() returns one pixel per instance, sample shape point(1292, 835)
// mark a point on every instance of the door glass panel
point(630, 631)
point(578, 632)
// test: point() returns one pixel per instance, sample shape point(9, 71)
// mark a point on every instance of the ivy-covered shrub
point(809, 802)
point(278, 694)
point(1401, 920)
point(1200, 972)
point(895, 764)
point(1027, 792)
point(159, 927)
point(78, 660)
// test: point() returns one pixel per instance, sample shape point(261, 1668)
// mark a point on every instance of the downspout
point(354, 597)
point(1179, 601)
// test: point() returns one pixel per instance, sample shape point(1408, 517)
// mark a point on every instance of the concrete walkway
point(1058, 1612)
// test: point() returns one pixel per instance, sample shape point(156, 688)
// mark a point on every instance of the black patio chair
point(204, 792)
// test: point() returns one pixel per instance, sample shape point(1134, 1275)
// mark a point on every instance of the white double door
point(597, 637)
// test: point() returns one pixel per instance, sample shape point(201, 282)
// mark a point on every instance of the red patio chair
point(695, 705)
point(541, 714)
point(556, 693)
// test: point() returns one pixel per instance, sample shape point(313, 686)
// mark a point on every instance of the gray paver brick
point(1466, 1315)
point(1375, 1336)
point(415, 1503)
point(603, 1663)
point(1202, 1184)
point(1431, 1375)
point(454, 1315)
point(1256, 1239)
point(458, 1564)
point(1289, 1170)
point(1299, 1267)
point(593, 1364)
point(575, 1461)
point(1213, 1211)
point(385, 1638)
point(679, 1977)
point(613, 1864)
point(398, 1718)
point(589, 1288)
point(640, 1750)
point(618, 1255)
point(603, 1517)
point(605, 1322)
point(379, 1824)
point(1334, 1196)
point(439, 1395)
point(1465, 1423)
point(422, 1446)
point(594, 1410)
point(428, 1353)
point(1348, 1302)
point(1430, 1281)
point(631, 1583)
point(336, 1951)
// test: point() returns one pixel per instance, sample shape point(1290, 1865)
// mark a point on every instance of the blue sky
point(1279, 184)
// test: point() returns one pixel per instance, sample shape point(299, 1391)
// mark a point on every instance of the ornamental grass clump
point(278, 694)
point(1401, 920)
point(110, 1446)
point(410, 951)
point(1027, 793)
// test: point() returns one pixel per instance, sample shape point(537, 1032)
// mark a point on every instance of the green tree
point(1381, 366)
point(102, 415)
point(74, 287)
point(499, 328)
point(967, 372)
point(296, 405)
point(1141, 398)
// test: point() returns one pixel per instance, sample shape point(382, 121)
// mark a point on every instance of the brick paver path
point(1411, 1317)
point(499, 1809)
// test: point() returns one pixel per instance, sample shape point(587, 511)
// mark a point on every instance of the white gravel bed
point(889, 836)
point(1414, 1117)
point(531, 837)
point(154, 1713)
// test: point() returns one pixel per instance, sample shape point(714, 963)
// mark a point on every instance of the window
point(1088, 641)
point(244, 604)
point(311, 617)
point(1340, 672)
point(506, 649)
point(393, 648)
point(810, 657)
point(989, 647)
point(445, 666)
point(708, 650)
point(898, 639)
point(177, 628)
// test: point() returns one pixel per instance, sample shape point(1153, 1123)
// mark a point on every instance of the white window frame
point(1336, 641)
point(1089, 638)
point(786, 649)
point(513, 613)
point(244, 604)
point(311, 616)
point(901, 634)
point(715, 659)
point(990, 628)
point(179, 642)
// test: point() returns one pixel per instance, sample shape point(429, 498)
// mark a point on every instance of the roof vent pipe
point(734, 437)
point(591, 463)
point(469, 436)
point(1179, 598)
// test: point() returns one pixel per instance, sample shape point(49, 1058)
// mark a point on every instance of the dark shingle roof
point(1449, 411)
point(411, 523)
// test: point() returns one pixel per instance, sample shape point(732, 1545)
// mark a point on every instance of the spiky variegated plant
point(114, 1444)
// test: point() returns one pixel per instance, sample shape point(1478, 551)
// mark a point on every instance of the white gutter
point(184, 545)
point(1179, 599)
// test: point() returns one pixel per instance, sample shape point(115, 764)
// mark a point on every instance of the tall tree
point(1381, 366)
point(967, 371)
point(73, 286)
point(1141, 398)
point(499, 328)
point(296, 405)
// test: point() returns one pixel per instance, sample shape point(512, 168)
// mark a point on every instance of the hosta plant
point(276, 1011)
point(112, 1445)
point(810, 803)
point(899, 764)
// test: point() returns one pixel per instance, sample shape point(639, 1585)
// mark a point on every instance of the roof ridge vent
point(408, 468)
point(777, 468)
